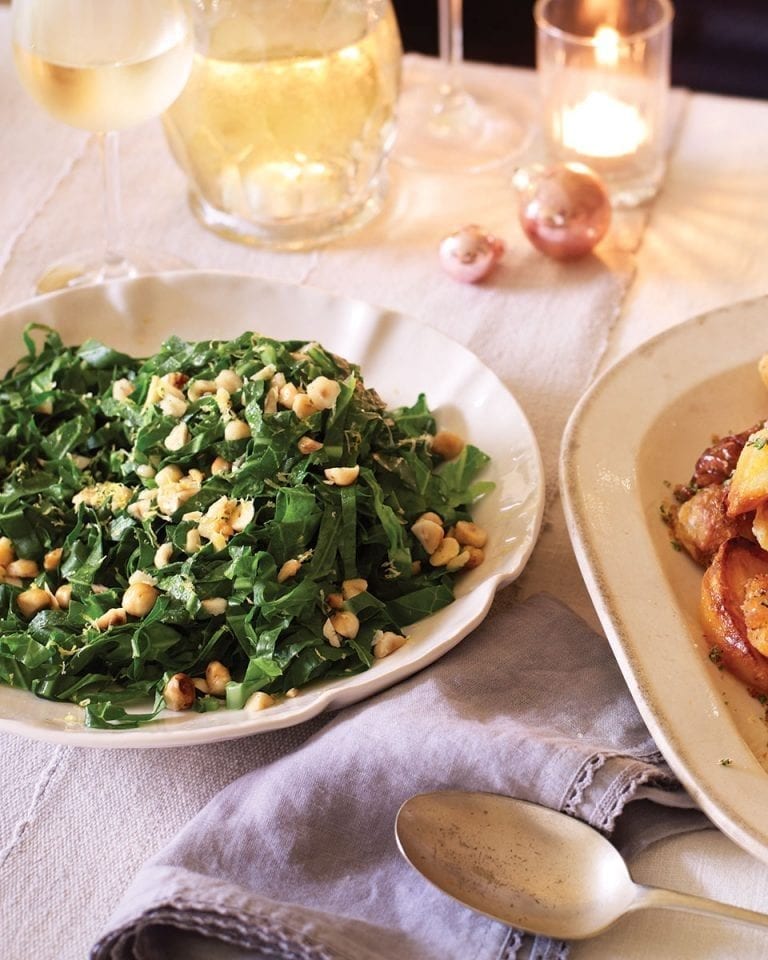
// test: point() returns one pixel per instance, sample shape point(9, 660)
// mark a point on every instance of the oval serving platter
point(637, 431)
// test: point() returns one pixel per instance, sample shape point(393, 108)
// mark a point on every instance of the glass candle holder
point(603, 68)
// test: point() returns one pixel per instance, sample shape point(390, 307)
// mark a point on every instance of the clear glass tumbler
point(604, 68)
point(288, 117)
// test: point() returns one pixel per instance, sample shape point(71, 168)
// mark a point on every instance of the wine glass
point(443, 125)
point(103, 65)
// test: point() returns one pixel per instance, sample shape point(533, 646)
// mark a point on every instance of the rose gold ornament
point(469, 254)
point(564, 209)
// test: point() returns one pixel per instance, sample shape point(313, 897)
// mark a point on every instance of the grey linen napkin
point(297, 859)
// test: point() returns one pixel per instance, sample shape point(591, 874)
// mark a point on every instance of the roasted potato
point(701, 524)
point(732, 611)
point(749, 481)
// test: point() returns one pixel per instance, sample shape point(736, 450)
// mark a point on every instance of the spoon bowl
point(531, 867)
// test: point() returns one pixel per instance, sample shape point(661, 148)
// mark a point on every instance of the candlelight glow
point(606, 46)
point(602, 126)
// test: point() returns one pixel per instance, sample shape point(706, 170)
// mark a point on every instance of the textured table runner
point(541, 326)
point(76, 825)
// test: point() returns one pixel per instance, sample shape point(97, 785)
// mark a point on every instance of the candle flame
point(606, 46)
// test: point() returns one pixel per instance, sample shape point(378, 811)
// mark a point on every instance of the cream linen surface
point(708, 232)
point(75, 825)
point(541, 326)
point(87, 820)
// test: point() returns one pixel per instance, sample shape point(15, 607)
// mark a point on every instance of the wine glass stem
point(451, 43)
point(114, 260)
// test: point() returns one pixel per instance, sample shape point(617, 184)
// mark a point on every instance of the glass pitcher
point(286, 122)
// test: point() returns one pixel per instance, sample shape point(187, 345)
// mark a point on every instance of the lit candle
point(603, 69)
point(602, 126)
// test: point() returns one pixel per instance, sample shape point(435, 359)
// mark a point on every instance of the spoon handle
point(689, 903)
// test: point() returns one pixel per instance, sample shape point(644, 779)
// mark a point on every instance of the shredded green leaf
point(117, 470)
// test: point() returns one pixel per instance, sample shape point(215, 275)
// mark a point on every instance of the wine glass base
point(89, 267)
point(454, 130)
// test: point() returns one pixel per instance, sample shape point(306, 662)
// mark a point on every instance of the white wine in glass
point(445, 126)
point(103, 65)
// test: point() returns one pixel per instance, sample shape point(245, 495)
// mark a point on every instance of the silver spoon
point(531, 867)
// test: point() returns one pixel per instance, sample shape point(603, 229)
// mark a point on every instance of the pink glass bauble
point(564, 210)
point(468, 254)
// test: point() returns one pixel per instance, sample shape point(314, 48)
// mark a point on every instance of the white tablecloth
point(75, 824)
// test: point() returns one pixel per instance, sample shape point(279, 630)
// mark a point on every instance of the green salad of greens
point(244, 511)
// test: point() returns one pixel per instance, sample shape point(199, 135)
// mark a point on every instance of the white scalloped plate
point(641, 426)
point(400, 357)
